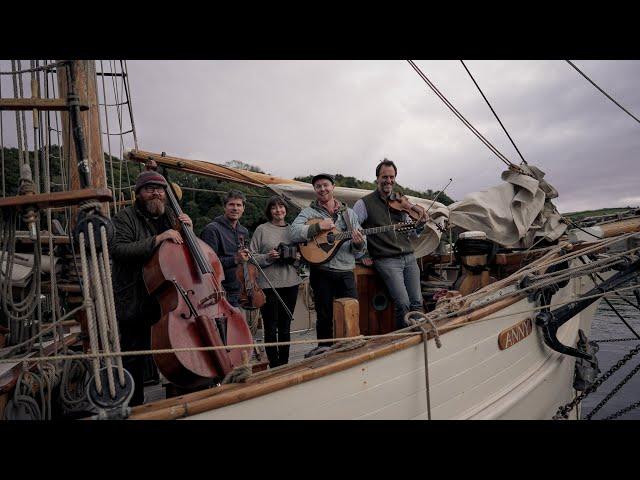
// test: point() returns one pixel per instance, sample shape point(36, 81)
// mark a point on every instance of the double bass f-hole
point(185, 296)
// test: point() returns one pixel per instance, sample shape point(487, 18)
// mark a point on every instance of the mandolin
point(323, 247)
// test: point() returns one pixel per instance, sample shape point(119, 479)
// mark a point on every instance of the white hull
point(470, 378)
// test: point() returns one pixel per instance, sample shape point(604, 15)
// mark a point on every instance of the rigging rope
point(494, 112)
point(106, 118)
point(461, 117)
point(4, 191)
point(602, 91)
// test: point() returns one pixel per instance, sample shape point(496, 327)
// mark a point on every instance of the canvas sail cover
point(517, 213)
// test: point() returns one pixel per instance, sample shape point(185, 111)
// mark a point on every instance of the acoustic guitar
point(323, 247)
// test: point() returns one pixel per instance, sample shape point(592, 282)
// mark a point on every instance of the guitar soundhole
point(326, 247)
point(330, 238)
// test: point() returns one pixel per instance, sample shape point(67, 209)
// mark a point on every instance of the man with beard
point(391, 252)
point(140, 229)
point(224, 235)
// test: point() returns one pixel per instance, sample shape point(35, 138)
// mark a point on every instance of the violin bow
point(255, 262)
point(436, 197)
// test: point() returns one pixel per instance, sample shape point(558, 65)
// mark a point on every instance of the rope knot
point(241, 373)
point(418, 319)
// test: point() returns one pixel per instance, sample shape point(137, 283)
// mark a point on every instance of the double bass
point(186, 280)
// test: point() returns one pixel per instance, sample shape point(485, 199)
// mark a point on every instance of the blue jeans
point(401, 275)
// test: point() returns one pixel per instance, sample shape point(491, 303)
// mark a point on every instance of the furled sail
point(517, 213)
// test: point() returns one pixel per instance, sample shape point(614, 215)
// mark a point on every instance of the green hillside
point(595, 213)
point(352, 182)
point(202, 197)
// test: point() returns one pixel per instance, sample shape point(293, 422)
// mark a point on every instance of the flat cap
point(320, 176)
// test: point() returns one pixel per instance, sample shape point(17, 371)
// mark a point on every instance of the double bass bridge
point(212, 299)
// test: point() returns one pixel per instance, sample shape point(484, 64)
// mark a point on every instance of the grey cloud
point(299, 117)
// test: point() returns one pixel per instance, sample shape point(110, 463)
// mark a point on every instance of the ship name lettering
point(514, 334)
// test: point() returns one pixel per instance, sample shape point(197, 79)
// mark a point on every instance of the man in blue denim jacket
point(333, 279)
point(392, 252)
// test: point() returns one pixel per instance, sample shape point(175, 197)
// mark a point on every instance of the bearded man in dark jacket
point(139, 230)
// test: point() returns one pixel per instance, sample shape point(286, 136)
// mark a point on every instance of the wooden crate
point(376, 318)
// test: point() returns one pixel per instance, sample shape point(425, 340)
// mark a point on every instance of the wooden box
point(376, 305)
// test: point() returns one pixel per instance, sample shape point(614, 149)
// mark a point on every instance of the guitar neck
point(375, 230)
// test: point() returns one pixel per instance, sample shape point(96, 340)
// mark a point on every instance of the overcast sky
point(301, 117)
point(295, 118)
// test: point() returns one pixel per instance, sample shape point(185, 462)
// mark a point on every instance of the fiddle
point(401, 203)
point(251, 295)
point(186, 279)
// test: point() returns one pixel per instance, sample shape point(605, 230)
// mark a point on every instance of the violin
point(186, 279)
point(401, 203)
point(251, 295)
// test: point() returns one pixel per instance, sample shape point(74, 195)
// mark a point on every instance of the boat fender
point(586, 372)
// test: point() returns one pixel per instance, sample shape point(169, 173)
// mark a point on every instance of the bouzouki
point(323, 247)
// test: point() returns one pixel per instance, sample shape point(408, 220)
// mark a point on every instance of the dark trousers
point(277, 324)
point(328, 285)
point(136, 336)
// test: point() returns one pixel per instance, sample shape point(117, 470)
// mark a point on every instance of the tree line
point(201, 196)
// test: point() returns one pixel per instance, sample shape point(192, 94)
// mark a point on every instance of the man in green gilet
point(391, 252)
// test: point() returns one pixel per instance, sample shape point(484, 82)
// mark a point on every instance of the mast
point(85, 87)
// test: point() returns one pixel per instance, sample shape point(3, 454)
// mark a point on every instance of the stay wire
point(494, 112)
point(602, 91)
point(460, 116)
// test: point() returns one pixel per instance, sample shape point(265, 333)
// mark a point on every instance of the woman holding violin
point(275, 253)
point(391, 252)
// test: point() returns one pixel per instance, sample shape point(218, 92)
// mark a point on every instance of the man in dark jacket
point(225, 235)
point(140, 229)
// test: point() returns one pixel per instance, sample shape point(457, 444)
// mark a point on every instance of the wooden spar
point(209, 169)
point(85, 88)
point(43, 104)
point(617, 228)
point(57, 199)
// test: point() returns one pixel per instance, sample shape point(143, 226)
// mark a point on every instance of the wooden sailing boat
point(483, 353)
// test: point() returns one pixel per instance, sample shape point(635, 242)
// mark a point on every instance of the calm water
point(607, 325)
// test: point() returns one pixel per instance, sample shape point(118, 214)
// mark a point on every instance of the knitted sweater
point(267, 237)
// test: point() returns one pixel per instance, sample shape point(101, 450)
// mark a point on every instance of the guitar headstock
point(406, 227)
